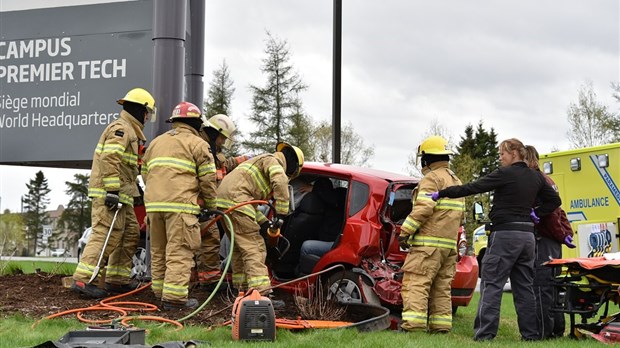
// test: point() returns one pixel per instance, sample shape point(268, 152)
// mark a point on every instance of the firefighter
point(113, 186)
point(178, 168)
point(260, 178)
point(218, 132)
point(430, 234)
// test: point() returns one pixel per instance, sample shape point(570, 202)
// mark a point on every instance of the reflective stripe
point(443, 320)
point(282, 207)
point(118, 271)
point(100, 193)
point(178, 290)
point(110, 148)
point(410, 225)
point(112, 183)
point(238, 279)
point(275, 169)
point(172, 162)
point(258, 281)
point(172, 207)
point(85, 269)
point(450, 204)
point(436, 242)
point(259, 179)
point(226, 204)
point(208, 168)
point(157, 285)
point(415, 317)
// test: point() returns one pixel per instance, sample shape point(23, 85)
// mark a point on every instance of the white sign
point(47, 231)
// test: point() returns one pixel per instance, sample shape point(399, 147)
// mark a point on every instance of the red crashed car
point(358, 212)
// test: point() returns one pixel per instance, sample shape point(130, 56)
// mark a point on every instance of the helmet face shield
point(152, 114)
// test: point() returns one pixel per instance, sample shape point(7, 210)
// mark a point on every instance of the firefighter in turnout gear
point(430, 233)
point(178, 169)
point(218, 131)
point(260, 178)
point(112, 187)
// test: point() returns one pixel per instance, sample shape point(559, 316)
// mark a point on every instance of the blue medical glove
point(434, 196)
point(568, 241)
point(534, 217)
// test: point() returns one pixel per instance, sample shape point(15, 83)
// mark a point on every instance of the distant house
point(59, 237)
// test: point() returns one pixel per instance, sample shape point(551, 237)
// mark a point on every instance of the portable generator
point(253, 318)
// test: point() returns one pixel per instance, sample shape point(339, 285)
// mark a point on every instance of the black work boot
point(170, 306)
point(89, 290)
point(122, 288)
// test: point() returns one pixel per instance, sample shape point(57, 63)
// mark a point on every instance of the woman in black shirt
point(511, 245)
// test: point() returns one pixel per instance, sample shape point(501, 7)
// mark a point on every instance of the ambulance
point(588, 181)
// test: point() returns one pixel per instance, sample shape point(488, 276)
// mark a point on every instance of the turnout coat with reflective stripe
point(115, 162)
point(178, 168)
point(255, 179)
point(435, 223)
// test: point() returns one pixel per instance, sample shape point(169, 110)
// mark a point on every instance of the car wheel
point(344, 287)
point(454, 309)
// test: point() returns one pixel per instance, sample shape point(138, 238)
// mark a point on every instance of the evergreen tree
point(35, 216)
point(219, 96)
point(299, 134)
point(77, 216)
point(219, 99)
point(275, 106)
point(12, 238)
point(477, 156)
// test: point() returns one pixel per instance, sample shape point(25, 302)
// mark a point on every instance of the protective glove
point(534, 217)
point(568, 241)
point(403, 241)
point(111, 200)
point(434, 196)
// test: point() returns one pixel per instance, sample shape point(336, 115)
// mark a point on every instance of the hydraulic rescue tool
point(276, 241)
point(253, 317)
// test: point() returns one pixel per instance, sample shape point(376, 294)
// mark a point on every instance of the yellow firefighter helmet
point(434, 145)
point(294, 158)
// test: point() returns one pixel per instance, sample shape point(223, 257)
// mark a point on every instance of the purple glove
point(568, 241)
point(434, 196)
point(533, 216)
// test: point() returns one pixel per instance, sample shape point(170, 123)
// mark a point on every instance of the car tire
point(345, 287)
point(454, 309)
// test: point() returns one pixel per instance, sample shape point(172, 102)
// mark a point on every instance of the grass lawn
point(16, 330)
point(221, 337)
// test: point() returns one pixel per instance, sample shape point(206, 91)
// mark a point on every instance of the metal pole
point(196, 48)
point(169, 18)
point(337, 79)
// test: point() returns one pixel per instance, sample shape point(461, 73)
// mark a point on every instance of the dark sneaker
point(277, 304)
point(88, 290)
point(121, 288)
point(170, 306)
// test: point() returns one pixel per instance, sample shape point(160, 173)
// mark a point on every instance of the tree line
point(278, 115)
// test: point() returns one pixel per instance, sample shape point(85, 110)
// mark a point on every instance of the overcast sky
point(514, 65)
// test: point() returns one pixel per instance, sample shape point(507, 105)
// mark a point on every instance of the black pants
point(509, 254)
point(550, 324)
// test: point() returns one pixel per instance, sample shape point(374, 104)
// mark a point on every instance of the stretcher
point(585, 287)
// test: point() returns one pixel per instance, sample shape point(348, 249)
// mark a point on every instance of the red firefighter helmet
point(184, 110)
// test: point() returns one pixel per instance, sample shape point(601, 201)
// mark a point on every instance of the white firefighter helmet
point(224, 125)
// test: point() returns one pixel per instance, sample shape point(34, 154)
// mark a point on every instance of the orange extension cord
point(107, 305)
